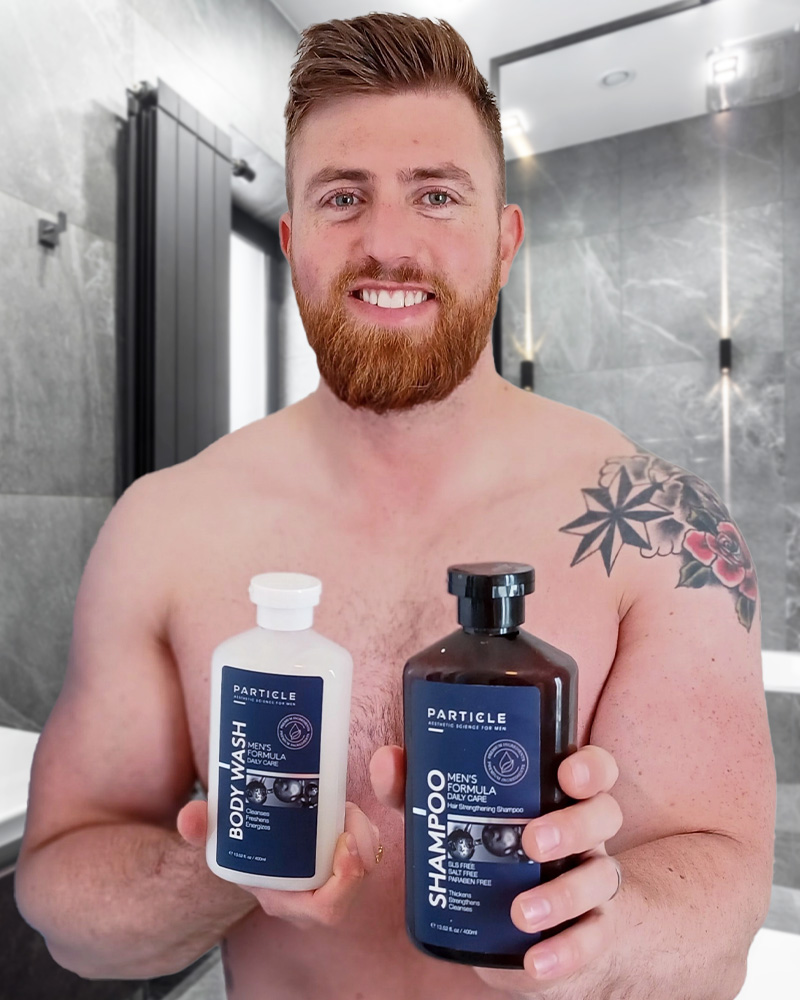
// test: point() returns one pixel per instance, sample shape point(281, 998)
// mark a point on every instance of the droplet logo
point(295, 732)
point(506, 762)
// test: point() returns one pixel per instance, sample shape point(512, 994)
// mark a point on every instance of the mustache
point(404, 274)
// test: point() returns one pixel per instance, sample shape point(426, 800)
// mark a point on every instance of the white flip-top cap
point(285, 601)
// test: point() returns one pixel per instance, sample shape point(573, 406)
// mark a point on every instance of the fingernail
point(535, 909)
point(544, 961)
point(375, 832)
point(352, 845)
point(580, 774)
point(547, 837)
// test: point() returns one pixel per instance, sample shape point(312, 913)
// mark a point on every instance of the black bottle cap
point(491, 596)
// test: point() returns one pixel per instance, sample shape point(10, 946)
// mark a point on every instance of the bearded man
point(413, 454)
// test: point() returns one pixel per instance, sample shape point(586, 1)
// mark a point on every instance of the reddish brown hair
point(386, 54)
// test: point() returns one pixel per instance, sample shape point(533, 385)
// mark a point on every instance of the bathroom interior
point(655, 150)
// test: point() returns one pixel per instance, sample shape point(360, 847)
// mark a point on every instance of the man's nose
point(390, 233)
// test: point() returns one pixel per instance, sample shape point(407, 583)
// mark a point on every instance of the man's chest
point(384, 598)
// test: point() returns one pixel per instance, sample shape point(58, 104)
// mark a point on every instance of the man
point(412, 455)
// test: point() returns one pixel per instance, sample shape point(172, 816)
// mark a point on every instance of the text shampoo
point(490, 713)
point(280, 723)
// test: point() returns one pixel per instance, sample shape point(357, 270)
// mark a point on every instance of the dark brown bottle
point(490, 713)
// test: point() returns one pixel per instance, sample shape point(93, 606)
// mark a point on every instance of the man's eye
point(437, 197)
point(345, 199)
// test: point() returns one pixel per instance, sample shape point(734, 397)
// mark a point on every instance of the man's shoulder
point(221, 464)
point(647, 520)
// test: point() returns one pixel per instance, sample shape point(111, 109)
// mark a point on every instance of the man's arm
point(103, 874)
point(683, 715)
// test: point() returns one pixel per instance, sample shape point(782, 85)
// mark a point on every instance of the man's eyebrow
point(330, 174)
point(444, 172)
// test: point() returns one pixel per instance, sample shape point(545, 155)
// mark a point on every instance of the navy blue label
point(474, 784)
point(269, 743)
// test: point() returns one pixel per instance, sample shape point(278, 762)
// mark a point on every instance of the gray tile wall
point(633, 245)
point(637, 248)
point(64, 69)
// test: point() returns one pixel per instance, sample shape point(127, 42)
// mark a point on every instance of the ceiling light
point(725, 69)
point(515, 132)
point(616, 77)
point(511, 124)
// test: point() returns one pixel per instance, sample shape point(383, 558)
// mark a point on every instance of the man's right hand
point(353, 858)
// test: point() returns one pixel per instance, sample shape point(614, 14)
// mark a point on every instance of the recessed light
point(616, 77)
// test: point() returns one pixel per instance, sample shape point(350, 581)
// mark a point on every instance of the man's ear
point(512, 233)
point(285, 231)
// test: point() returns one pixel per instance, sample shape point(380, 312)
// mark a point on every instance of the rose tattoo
point(664, 510)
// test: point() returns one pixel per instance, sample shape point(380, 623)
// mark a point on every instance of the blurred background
point(145, 308)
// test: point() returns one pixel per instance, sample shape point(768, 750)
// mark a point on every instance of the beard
point(383, 369)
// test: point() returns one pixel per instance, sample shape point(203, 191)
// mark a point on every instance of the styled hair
point(386, 54)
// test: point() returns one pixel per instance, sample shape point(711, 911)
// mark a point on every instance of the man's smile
point(386, 303)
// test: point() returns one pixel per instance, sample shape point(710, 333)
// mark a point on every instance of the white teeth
point(396, 299)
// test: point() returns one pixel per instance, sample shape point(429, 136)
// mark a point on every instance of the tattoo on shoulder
point(643, 501)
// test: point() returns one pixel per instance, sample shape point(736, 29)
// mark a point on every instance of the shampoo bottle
point(490, 713)
point(280, 722)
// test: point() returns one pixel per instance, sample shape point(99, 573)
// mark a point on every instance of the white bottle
point(280, 723)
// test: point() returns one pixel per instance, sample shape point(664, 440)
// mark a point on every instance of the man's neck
point(423, 456)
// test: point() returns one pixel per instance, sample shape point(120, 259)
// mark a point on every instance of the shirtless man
point(412, 454)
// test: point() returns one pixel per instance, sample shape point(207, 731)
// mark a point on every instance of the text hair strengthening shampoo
point(490, 712)
point(280, 723)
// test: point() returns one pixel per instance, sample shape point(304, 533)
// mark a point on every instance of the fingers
point(192, 822)
point(578, 893)
point(572, 894)
point(588, 771)
point(572, 830)
point(387, 770)
point(353, 857)
point(365, 833)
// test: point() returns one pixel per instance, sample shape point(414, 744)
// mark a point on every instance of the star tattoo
point(616, 515)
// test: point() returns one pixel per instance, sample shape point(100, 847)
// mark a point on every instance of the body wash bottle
point(280, 722)
point(490, 713)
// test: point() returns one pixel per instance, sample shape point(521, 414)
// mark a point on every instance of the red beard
point(382, 369)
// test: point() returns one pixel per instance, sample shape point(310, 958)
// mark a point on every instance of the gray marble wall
point(64, 69)
point(639, 249)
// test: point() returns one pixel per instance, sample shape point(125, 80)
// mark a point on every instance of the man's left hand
point(583, 828)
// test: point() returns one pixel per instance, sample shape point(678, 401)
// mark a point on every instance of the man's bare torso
point(253, 503)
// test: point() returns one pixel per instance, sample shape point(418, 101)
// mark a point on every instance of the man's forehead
point(401, 133)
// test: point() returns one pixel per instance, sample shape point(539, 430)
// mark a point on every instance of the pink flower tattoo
point(727, 555)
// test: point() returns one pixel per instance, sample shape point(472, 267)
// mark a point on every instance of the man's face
point(397, 244)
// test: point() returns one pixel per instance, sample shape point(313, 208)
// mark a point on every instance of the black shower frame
point(563, 42)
